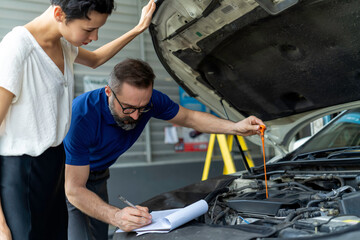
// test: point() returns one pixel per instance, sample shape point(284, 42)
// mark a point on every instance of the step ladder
point(225, 144)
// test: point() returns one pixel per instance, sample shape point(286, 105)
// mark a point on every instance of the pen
point(127, 202)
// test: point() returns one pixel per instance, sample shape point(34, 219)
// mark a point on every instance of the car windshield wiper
point(346, 153)
point(329, 153)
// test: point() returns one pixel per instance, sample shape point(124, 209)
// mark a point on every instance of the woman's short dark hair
point(135, 72)
point(78, 9)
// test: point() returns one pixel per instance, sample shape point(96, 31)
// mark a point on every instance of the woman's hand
point(146, 16)
point(5, 233)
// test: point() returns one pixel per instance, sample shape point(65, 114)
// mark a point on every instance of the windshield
point(344, 131)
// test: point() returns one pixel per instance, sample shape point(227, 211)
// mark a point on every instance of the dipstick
point(262, 130)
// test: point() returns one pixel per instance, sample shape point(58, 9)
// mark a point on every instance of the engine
point(296, 206)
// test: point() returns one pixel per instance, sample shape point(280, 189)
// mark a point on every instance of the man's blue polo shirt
point(95, 139)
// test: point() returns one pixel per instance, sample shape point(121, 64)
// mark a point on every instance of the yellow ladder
point(225, 144)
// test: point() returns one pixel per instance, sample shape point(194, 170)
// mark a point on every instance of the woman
point(36, 91)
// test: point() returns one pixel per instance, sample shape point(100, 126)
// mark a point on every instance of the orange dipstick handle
point(262, 130)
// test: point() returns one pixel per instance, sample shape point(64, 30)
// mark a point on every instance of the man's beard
point(127, 123)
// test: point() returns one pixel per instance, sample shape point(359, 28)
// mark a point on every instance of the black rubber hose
point(313, 201)
point(300, 211)
point(213, 194)
point(221, 214)
point(326, 177)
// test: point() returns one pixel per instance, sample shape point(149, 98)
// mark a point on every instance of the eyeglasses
point(130, 110)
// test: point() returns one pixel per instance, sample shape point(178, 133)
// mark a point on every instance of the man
point(105, 123)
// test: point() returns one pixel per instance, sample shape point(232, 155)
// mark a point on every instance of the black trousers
point(33, 196)
point(83, 227)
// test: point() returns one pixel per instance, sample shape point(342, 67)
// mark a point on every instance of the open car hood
point(287, 62)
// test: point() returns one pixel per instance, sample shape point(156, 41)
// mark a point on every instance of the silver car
point(287, 62)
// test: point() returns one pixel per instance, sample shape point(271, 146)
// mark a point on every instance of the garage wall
point(150, 147)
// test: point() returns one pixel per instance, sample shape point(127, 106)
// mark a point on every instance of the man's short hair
point(79, 9)
point(134, 72)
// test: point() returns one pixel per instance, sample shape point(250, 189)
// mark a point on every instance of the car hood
point(286, 62)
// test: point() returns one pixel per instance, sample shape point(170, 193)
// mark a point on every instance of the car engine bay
point(300, 205)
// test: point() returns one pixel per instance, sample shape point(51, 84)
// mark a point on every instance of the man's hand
point(248, 126)
point(130, 218)
point(146, 16)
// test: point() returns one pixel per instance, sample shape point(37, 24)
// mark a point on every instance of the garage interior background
point(150, 167)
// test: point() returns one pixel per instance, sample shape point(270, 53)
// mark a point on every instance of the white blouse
point(40, 113)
